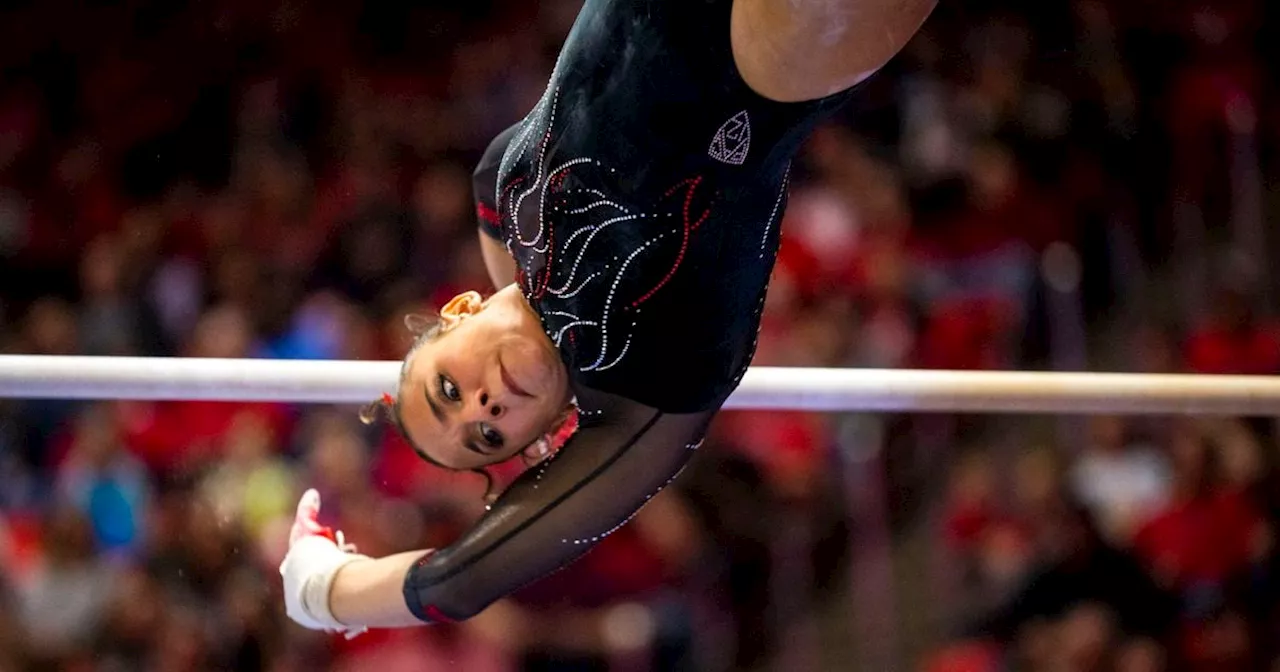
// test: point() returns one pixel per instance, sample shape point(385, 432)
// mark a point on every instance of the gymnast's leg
point(795, 50)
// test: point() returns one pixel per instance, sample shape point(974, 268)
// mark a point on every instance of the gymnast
point(631, 220)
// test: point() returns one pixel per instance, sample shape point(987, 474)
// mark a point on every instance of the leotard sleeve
point(623, 454)
point(484, 183)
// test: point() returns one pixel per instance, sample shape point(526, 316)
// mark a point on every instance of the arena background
point(1066, 184)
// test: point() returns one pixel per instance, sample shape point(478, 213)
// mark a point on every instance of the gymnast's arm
point(791, 51)
point(549, 517)
point(484, 182)
point(368, 591)
point(501, 267)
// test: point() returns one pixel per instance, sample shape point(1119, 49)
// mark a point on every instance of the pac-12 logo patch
point(733, 140)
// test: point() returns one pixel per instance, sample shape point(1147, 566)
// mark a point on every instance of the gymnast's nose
point(484, 406)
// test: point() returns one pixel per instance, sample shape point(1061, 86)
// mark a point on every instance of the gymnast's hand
point(315, 555)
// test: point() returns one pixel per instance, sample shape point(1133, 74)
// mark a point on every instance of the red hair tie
point(388, 399)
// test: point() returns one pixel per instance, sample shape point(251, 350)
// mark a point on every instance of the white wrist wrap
point(308, 572)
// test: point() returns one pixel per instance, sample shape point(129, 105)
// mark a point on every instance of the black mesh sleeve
point(484, 183)
point(623, 454)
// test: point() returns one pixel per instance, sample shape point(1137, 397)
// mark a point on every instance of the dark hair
point(424, 330)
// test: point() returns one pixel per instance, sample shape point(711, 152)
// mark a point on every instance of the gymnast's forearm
point(370, 592)
point(501, 267)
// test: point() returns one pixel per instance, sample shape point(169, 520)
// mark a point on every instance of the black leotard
point(641, 200)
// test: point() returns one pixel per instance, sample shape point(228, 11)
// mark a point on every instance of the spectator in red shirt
point(1209, 533)
point(180, 435)
point(1234, 340)
point(1203, 547)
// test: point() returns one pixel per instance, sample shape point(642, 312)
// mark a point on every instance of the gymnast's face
point(489, 385)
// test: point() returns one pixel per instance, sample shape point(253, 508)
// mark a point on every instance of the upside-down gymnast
point(631, 221)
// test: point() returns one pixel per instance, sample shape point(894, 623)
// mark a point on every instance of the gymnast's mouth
point(511, 383)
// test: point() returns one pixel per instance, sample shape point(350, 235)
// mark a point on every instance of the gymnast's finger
point(304, 522)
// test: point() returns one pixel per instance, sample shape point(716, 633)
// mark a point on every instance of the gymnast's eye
point(491, 436)
point(448, 390)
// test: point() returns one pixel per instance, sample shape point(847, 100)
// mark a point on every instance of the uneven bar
point(46, 377)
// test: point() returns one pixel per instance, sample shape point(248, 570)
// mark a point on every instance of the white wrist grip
point(308, 571)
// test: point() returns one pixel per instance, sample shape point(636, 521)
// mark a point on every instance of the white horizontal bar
point(163, 378)
point(40, 377)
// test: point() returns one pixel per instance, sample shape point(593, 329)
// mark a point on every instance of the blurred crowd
point(1075, 185)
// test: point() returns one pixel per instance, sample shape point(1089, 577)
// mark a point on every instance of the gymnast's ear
point(460, 306)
